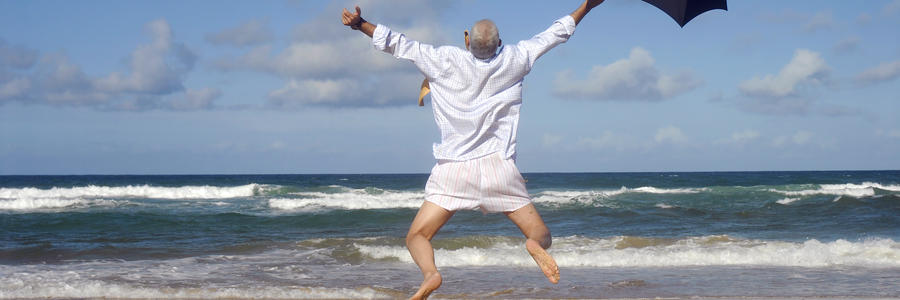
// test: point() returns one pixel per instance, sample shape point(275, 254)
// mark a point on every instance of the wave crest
point(348, 198)
point(48, 203)
point(865, 189)
point(30, 198)
point(654, 252)
point(589, 197)
point(41, 287)
point(142, 191)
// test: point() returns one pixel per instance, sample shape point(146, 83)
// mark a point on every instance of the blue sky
point(191, 87)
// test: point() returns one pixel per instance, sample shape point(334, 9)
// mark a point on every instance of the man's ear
point(500, 44)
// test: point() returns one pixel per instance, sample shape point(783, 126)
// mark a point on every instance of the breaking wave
point(30, 198)
point(202, 277)
point(658, 252)
point(45, 203)
point(787, 201)
point(32, 288)
point(348, 198)
point(136, 191)
point(588, 197)
point(865, 189)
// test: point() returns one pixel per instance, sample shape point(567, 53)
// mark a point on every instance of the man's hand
point(593, 3)
point(351, 19)
point(356, 22)
point(582, 10)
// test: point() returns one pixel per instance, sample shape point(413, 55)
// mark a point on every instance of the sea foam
point(591, 196)
point(206, 277)
point(142, 191)
point(696, 251)
point(30, 198)
point(787, 201)
point(865, 189)
point(349, 198)
point(53, 287)
point(46, 203)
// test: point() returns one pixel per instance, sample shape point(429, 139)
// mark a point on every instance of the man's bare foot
point(429, 284)
point(544, 260)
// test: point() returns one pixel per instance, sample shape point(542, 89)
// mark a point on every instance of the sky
point(236, 87)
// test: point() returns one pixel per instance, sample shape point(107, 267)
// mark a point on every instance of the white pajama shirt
point(476, 106)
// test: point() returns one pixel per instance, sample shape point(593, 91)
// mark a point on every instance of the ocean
point(832, 234)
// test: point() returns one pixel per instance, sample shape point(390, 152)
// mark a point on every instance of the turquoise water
point(616, 235)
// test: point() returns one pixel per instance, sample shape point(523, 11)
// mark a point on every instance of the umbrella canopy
point(685, 10)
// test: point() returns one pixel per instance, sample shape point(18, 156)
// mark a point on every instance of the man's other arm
point(424, 56)
point(579, 12)
point(558, 33)
point(355, 21)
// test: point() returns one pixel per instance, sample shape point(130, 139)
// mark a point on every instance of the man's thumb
point(358, 12)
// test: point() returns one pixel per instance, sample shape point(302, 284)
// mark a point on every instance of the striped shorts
point(490, 183)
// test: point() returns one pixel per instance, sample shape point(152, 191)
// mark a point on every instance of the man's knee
point(414, 234)
point(411, 235)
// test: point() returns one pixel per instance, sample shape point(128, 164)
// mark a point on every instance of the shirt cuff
point(568, 24)
point(380, 37)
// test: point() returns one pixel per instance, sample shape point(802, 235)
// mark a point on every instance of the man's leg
point(428, 221)
point(538, 235)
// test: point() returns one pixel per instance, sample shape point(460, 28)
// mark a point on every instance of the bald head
point(485, 39)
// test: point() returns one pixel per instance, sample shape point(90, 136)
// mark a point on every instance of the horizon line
point(411, 173)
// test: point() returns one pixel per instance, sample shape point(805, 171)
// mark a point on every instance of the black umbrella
point(685, 10)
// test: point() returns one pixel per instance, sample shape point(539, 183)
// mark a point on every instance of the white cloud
point(153, 78)
point(253, 32)
point(608, 140)
point(799, 138)
point(779, 141)
point(58, 81)
point(891, 133)
point(894, 133)
point(777, 106)
point(550, 140)
point(805, 68)
point(328, 64)
point(842, 111)
point(819, 21)
point(14, 88)
point(156, 68)
point(740, 138)
point(803, 21)
point(195, 99)
point(391, 88)
point(314, 91)
point(744, 136)
point(276, 146)
point(338, 58)
point(632, 78)
point(891, 8)
point(16, 56)
point(670, 134)
point(847, 45)
point(883, 72)
point(863, 19)
point(746, 42)
point(717, 96)
point(786, 93)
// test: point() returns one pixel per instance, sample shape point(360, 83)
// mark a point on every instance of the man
point(476, 95)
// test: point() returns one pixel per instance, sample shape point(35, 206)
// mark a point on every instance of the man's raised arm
point(356, 22)
point(578, 14)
